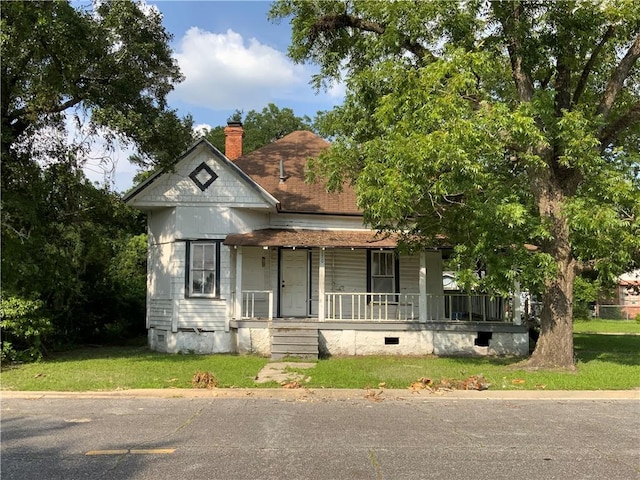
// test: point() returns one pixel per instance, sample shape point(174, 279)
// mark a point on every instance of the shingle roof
point(272, 237)
point(294, 194)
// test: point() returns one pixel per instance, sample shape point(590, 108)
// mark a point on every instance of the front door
point(293, 283)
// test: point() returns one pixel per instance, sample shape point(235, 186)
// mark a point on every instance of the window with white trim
point(383, 271)
point(204, 258)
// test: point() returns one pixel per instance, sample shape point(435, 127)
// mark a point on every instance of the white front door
point(293, 283)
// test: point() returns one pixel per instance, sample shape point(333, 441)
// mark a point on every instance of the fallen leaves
point(422, 383)
point(374, 396)
point(292, 384)
point(204, 380)
point(474, 382)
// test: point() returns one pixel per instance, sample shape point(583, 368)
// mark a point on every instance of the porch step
point(294, 342)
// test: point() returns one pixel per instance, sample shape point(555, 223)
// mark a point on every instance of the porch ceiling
point(272, 237)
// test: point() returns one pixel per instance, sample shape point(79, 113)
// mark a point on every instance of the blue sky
point(232, 58)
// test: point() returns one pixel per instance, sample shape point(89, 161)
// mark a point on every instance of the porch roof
point(273, 237)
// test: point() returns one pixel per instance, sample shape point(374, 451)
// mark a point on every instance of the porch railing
point(367, 306)
point(257, 304)
point(403, 307)
point(471, 308)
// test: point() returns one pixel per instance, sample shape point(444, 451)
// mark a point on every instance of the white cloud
point(223, 71)
point(201, 129)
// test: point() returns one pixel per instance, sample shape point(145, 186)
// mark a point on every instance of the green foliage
point(261, 128)
point(585, 294)
point(66, 238)
point(111, 62)
point(25, 328)
point(72, 246)
point(511, 129)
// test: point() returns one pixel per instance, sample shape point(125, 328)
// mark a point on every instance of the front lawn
point(606, 326)
point(605, 362)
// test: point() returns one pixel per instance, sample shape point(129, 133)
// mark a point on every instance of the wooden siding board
point(160, 313)
point(206, 314)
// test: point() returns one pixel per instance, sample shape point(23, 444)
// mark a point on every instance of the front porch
point(390, 307)
point(358, 300)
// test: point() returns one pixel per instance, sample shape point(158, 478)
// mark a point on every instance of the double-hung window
point(383, 269)
point(203, 280)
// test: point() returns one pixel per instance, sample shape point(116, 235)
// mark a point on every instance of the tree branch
point(331, 23)
point(610, 133)
point(19, 114)
point(582, 83)
point(618, 77)
point(562, 86)
point(509, 21)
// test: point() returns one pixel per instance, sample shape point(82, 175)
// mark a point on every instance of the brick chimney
point(233, 135)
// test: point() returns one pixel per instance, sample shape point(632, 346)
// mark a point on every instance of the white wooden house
point(245, 256)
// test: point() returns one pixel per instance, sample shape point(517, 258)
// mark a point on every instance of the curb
point(311, 394)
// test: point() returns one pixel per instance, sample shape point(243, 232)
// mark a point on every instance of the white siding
point(159, 268)
point(202, 313)
point(435, 290)
point(177, 188)
point(161, 225)
point(345, 271)
point(210, 222)
point(317, 222)
point(160, 312)
point(434, 273)
point(227, 270)
point(256, 276)
point(410, 274)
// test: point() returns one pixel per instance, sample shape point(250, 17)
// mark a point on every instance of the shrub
point(25, 327)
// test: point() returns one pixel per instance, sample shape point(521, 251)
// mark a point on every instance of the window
point(383, 267)
point(203, 278)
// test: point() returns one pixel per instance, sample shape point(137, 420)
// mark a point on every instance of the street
point(315, 437)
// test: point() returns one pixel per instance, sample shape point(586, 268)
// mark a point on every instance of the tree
point(510, 127)
point(112, 65)
point(262, 128)
point(112, 62)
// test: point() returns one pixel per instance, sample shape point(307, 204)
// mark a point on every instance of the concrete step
point(307, 356)
point(294, 342)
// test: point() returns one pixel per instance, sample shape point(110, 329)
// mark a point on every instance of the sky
point(233, 58)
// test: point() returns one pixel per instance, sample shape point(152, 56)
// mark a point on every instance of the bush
point(25, 327)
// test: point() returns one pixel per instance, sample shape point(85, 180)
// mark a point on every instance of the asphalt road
point(319, 437)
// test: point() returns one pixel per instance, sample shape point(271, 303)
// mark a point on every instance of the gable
point(201, 176)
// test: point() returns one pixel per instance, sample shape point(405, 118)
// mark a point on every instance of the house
point(245, 256)
point(628, 294)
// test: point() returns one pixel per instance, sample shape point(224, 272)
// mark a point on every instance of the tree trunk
point(555, 344)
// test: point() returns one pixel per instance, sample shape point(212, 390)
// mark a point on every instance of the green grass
point(608, 362)
point(606, 326)
point(111, 368)
point(604, 362)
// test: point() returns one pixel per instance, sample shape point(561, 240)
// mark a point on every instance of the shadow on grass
point(135, 353)
point(620, 349)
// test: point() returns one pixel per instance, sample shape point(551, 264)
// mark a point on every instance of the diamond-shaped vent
point(203, 176)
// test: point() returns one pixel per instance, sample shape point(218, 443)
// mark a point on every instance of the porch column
point(423, 287)
point(238, 299)
point(517, 304)
point(321, 274)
